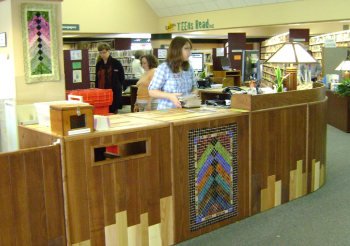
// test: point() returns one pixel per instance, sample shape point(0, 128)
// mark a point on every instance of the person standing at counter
point(137, 69)
point(144, 101)
point(175, 76)
point(315, 69)
point(110, 75)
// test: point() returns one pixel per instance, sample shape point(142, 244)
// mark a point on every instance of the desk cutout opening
point(120, 151)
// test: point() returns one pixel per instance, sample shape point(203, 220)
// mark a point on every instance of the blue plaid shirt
point(165, 80)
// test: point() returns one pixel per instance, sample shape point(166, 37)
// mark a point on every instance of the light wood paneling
point(278, 190)
point(120, 195)
point(31, 197)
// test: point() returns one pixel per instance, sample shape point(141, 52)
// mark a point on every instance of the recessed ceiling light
point(344, 21)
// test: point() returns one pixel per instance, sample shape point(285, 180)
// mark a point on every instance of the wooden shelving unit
point(235, 74)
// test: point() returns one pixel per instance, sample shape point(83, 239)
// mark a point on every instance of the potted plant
point(279, 80)
point(343, 89)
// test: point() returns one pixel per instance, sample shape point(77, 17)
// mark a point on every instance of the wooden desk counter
point(194, 172)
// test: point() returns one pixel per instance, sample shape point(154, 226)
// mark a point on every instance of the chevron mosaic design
point(39, 42)
point(213, 175)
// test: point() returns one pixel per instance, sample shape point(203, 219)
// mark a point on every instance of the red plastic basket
point(94, 96)
point(112, 149)
point(102, 110)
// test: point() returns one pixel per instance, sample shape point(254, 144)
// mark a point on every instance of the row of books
point(276, 40)
point(271, 49)
point(338, 36)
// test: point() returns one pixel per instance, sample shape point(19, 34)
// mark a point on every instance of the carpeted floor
point(320, 218)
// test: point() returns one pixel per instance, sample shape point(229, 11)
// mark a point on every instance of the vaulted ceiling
point(166, 8)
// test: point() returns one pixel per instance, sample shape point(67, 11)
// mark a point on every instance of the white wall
point(42, 91)
point(110, 16)
point(7, 75)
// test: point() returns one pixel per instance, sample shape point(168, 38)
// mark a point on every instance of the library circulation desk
point(177, 174)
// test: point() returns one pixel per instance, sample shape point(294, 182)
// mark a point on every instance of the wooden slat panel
point(163, 140)
point(243, 168)
point(279, 147)
point(271, 144)
point(145, 184)
point(256, 193)
point(293, 185)
point(108, 194)
point(264, 199)
point(7, 231)
point(122, 228)
point(53, 192)
point(36, 198)
point(144, 177)
point(278, 191)
point(317, 175)
point(181, 182)
point(108, 187)
point(299, 187)
point(317, 138)
point(133, 193)
point(144, 235)
point(98, 237)
point(155, 238)
point(285, 153)
point(167, 218)
point(257, 137)
point(154, 179)
point(20, 200)
point(77, 196)
point(271, 191)
point(322, 175)
point(305, 182)
point(95, 196)
point(119, 180)
point(285, 194)
point(111, 235)
point(134, 232)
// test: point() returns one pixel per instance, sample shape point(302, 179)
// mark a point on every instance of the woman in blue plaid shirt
point(175, 76)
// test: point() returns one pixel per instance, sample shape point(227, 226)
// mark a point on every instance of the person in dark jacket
point(110, 75)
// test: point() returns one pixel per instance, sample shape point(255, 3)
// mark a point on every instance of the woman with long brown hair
point(175, 76)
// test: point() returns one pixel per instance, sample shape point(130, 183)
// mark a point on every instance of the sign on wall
point(189, 26)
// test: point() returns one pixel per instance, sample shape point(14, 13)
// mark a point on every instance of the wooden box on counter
point(69, 119)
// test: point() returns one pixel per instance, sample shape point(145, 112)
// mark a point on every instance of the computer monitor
point(225, 64)
point(250, 65)
point(197, 61)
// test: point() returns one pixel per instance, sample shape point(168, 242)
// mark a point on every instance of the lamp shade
point(292, 53)
point(344, 65)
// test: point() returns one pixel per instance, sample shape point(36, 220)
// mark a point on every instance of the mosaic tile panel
point(212, 175)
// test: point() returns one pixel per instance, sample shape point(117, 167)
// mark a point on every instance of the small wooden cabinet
point(236, 74)
point(338, 111)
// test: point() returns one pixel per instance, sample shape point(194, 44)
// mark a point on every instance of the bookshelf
point(271, 45)
point(124, 56)
point(341, 38)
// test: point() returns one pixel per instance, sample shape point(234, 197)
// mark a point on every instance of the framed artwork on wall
point(39, 36)
point(3, 39)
